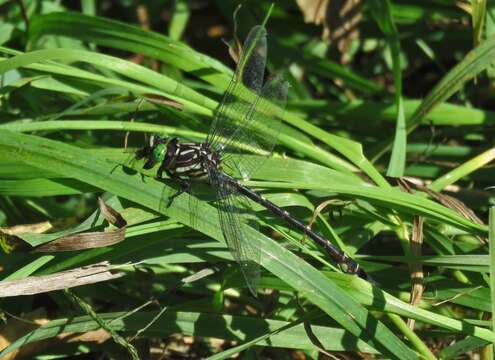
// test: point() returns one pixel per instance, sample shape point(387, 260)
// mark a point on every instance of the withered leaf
point(11, 239)
point(163, 100)
point(62, 280)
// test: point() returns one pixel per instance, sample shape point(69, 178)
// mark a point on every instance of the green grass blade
point(492, 263)
point(382, 12)
point(113, 177)
point(232, 328)
point(111, 33)
point(476, 61)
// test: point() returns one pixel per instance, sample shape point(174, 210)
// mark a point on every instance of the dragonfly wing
point(243, 90)
point(234, 214)
point(260, 129)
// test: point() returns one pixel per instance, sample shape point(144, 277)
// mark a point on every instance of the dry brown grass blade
point(416, 270)
point(453, 204)
point(62, 280)
point(417, 273)
point(163, 100)
point(322, 207)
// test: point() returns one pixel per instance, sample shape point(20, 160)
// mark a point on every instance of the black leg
point(159, 173)
point(184, 186)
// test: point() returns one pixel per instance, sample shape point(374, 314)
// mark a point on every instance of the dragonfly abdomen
point(347, 264)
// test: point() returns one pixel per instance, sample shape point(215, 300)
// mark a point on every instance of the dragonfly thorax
point(179, 159)
point(189, 159)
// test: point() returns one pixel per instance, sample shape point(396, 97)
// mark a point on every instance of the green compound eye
point(159, 152)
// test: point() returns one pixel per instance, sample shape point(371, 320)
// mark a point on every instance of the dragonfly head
point(153, 152)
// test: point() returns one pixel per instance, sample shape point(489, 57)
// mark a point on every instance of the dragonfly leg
point(159, 173)
point(184, 186)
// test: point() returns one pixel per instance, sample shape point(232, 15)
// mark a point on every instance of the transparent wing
point(243, 90)
point(233, 212)
point(260, 129)
point(248, 118)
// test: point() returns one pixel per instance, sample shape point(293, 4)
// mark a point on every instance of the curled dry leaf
point(83, 241)
point(11, 239)
point(90, 240)
point(235, 48)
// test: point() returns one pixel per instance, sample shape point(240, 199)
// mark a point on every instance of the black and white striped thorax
point(190, 160)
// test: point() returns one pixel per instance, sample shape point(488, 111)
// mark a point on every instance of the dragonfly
point(248, 118)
